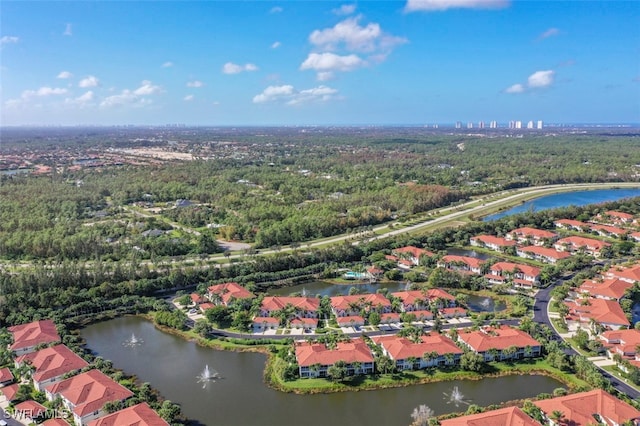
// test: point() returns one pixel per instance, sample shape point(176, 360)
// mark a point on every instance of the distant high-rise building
point(458, 125)
point(539, 124)
point(493, 124)
point(518, 124)
point(512, 124)
point(469, 125)
point(530, 124)
point(481, 125)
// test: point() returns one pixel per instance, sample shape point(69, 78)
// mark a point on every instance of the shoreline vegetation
point(274, 366)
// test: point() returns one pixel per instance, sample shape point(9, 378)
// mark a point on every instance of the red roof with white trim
point(526, 232)
point(493, 240)
point(579, 409)
point(545, 252)
point(472, 262)
point(496, 338)
point(90, 391)
point(402, 348)
point(276, 303)
point(310, 353)
point(410, 297)
point(631, 273)
point(600, 310)
point(227, 291)
point(510, 416)
point(138, 415)
point(31, 408)
point(6, 375)
point(344, 302)
point(33, 334)
point(612, 288)
point(414, 251)
point(52, 362)
point(509, 267)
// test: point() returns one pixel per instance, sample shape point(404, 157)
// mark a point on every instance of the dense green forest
point(271, 188)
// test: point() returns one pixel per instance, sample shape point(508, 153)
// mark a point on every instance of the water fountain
point(485, 302)
point(304, 292)
point(133, 341)
point(207, 375)
point(456, 397)
point(407, 286)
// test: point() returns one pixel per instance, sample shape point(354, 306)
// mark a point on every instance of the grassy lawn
point(407, 378)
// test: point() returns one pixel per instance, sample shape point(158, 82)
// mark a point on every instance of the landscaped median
point(274, 377)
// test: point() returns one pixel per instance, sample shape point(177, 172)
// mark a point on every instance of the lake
point(565, 199)
point(239, 397)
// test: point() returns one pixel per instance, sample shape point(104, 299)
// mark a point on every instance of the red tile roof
point(545, 252)
point(629, 273)
point(579, 408)
point(414, 251)
point(493, 240)
point(568, 223)
point(343, 302)
point(227, 291)
point(402, 348)
point(52, 362)
point(89, 391)
point(33, 334)
point(138, 415)
point(266, 320)
point(204, 306)
point(310, 353)
point(612, 288)
point(613, 230)
point(526, 232)
point(531, 271)
point(623, 341)
point(410, 297)
point(10, 391)
point(6, 375)
point(510, 416)
point(601, 310)
point(276, 303)
point(577, 242)
point(472, 262)
point(496, 338)
point(31, 408)
point(55, 422)
point(347, 321)
point(619, 215)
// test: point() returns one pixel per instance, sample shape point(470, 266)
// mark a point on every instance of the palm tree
point(449, 358)
point(556, 416)
point(493, 353)
point(412, 360)
point(429, 357)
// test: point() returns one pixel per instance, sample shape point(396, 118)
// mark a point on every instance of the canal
point(565, 199)
point(239, 397)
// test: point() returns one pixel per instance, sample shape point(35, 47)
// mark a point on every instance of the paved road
point(541, 315)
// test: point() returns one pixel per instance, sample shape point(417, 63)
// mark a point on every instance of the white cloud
point(325, 75)
point(167, 64)
point(276, 9)
point(231, 68)
point(439, 5)
point(332, 62)
point(44, 91)
point(8, 39)
point(272, 93)
point(147, 88)
point(537, 80)
point(354, 37)
point(64, 75)
point(345, 9)
point(188, 98)
point(276, 44)
point(291, 96)
point(541, 79)
point(68, 30)
point(195, 83)
point(516, 88)
point(134, 98)
point(549, 33)
point(90, 81)
point(82, 100)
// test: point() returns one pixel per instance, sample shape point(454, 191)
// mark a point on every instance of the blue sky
point(318, 62)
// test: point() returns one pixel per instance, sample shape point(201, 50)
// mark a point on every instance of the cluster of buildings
point(303, 312)
point(493, 124)
point(583, 408)
point(61, 374)
point(493, 343)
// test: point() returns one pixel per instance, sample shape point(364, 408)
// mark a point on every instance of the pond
point(565, 199)
point(484, 304)
point(239, 397)
point(323, 288)
point(468, 253)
